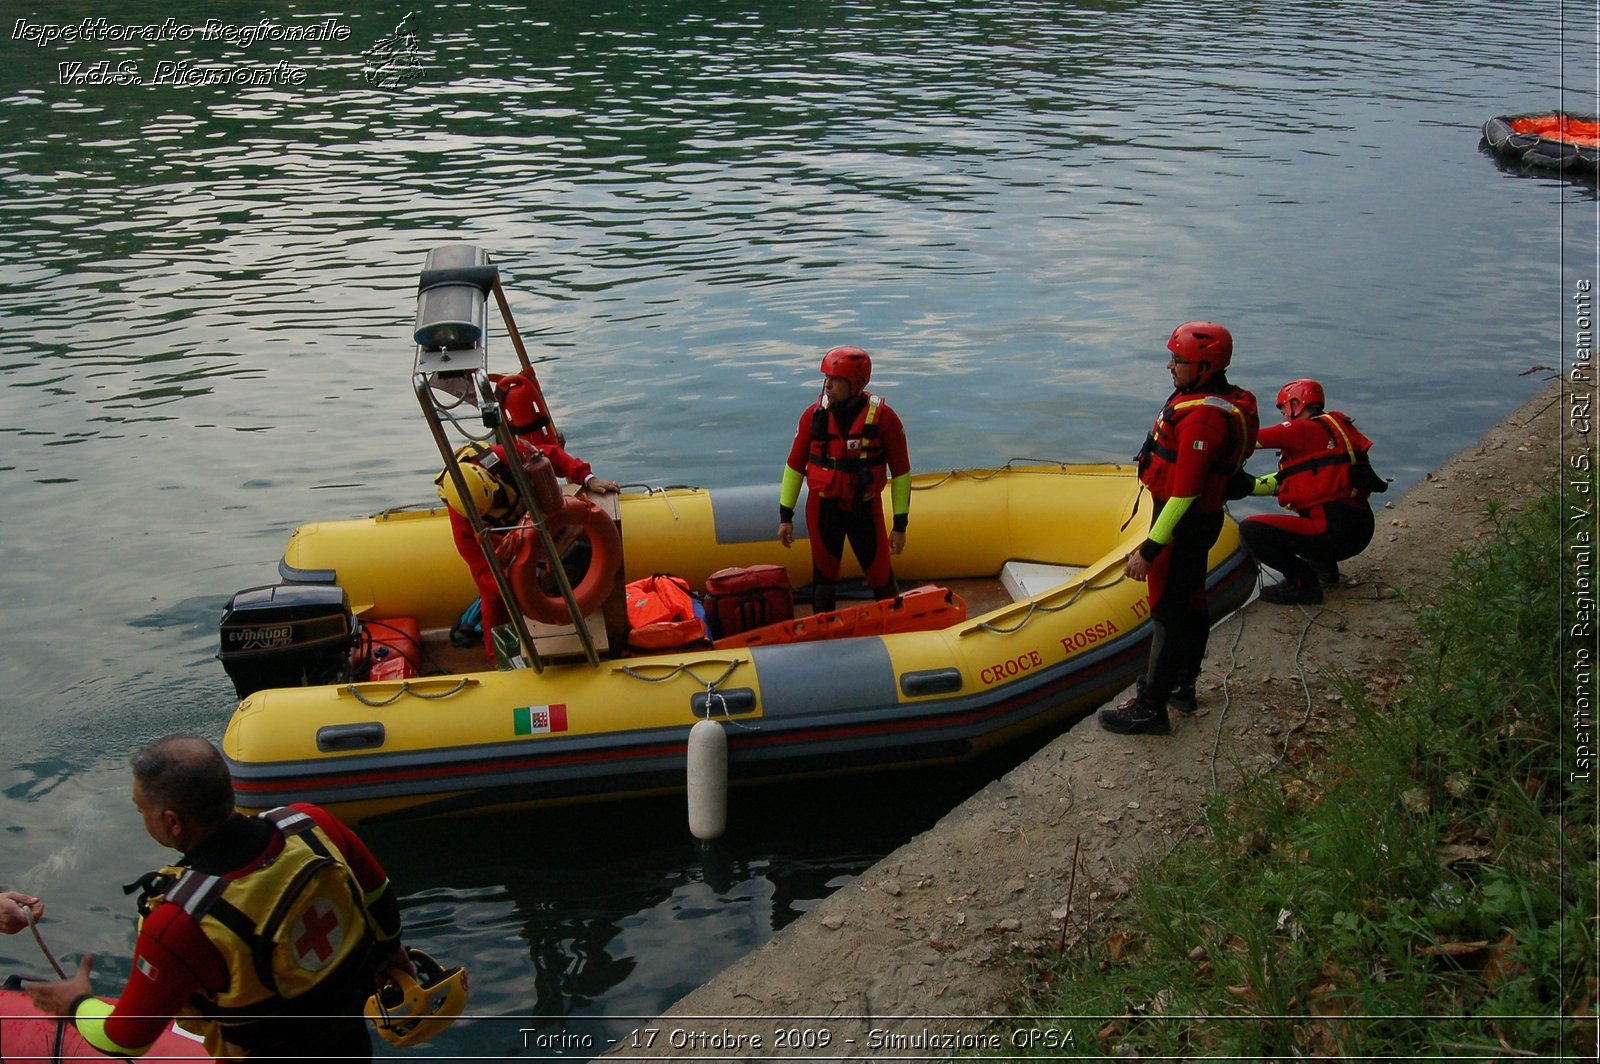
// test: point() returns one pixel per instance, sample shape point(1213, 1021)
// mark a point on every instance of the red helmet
point(1203, 341)
point(1305, 391)
point(851, 363)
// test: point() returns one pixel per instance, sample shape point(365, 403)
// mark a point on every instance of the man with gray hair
point(265, 937)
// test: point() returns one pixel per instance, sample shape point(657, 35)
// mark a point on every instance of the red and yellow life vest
point(285, 930)
point(851, 466)
point(1308, 480)
point(1158, 460)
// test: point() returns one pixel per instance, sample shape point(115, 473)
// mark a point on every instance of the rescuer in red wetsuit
point(848, 447)
point(1205, 431)
point(494, 495)
point(192, 959)
point(1324, 478)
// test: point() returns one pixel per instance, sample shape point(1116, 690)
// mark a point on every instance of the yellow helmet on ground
point(409, 1011)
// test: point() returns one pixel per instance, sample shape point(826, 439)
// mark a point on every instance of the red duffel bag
point(739, 599)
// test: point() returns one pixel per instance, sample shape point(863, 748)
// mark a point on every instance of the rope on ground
point(1313, 620)
point(1216, 739)
point(1227, 697)
point(1227, 704)
point(1305, 690)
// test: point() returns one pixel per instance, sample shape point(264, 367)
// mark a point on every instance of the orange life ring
point(523, 556)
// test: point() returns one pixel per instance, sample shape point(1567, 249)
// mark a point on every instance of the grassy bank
point(1424, 888)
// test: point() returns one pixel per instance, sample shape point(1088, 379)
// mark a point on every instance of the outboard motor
point(287, 635)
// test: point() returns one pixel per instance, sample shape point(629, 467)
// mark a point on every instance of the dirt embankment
point(929, 934)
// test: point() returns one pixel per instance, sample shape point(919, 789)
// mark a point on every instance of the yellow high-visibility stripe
point(90, 1018)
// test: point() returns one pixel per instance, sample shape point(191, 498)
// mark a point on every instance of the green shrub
point(1435, 899)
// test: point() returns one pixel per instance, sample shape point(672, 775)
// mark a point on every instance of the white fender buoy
point(708, 780)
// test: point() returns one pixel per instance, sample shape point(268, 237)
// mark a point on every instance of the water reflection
point(567, 906)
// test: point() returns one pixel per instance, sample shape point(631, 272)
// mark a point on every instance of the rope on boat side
point(629, 670)
point(989, 474)
point(405, 689)
point(665, 490)
point(713, 696)
point(1034, 607)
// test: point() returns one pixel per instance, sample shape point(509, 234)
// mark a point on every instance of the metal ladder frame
point(446, 377)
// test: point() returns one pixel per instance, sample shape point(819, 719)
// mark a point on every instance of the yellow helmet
point(481, 488)
point(409, 1011)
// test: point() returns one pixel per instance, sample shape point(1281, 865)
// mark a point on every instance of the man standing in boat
point(1324, 479)
point(848, 447)
point(1204, 433)
point(494, 495)
point(206, 938)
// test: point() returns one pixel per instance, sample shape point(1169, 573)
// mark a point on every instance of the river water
point(208, 288)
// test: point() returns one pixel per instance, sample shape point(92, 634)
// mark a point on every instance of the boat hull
point(28, 1034)
point(1552, 141)
point(577, 732)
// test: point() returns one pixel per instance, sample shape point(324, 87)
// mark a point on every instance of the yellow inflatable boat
point(1035, 551)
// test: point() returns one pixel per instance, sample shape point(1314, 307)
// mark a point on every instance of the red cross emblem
point(317, 935)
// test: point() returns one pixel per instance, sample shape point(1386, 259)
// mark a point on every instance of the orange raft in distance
point(922, 609)
point(1550, 140)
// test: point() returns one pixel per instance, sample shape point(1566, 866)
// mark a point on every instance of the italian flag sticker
point(539, 720)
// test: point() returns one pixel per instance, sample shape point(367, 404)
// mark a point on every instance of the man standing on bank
point(1204, 433)
point(267, 935)
point(849, 446)
point(1324, 477)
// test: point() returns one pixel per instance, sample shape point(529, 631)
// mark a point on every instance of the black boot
point(824, 596)
point(1293, 593)
point(1327, 573)
point(1182, 699)
point(1134, 717)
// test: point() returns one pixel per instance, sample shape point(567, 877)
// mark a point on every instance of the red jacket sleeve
point(172, 961)
point(893, 434)
point(569, 466)
point(1303, 435)
point(800, 449)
